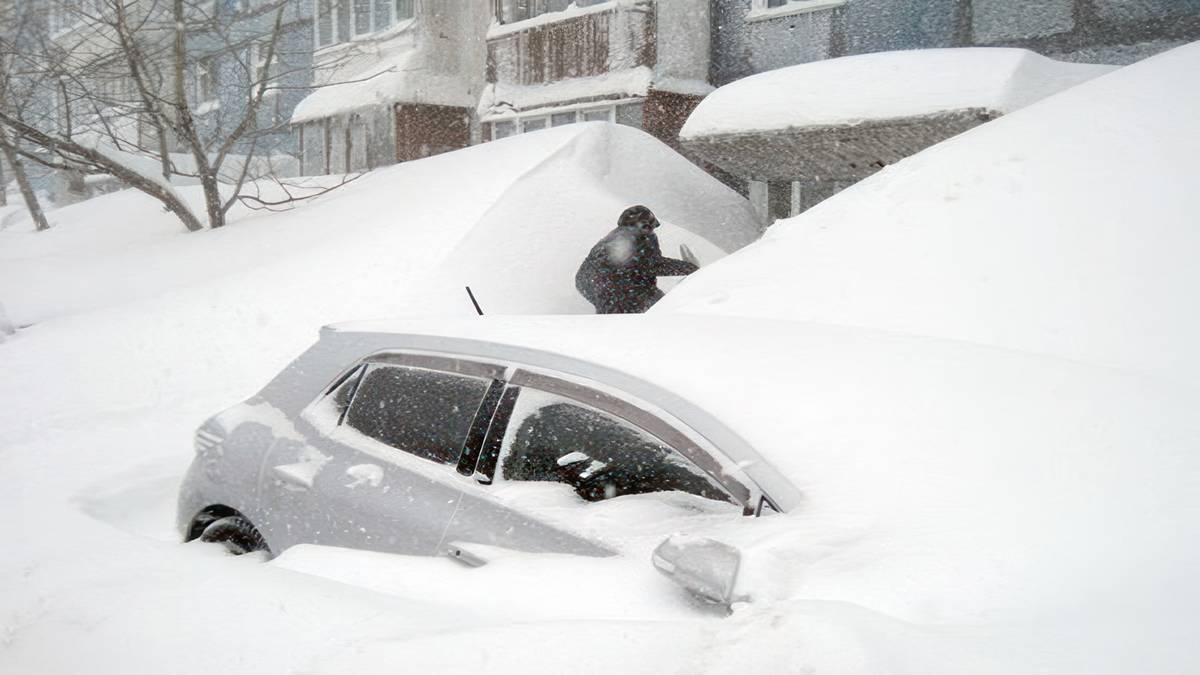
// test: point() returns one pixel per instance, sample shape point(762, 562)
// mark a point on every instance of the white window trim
point(578, 109)
point(259, 63)
point(760, 12)
point(574, 107)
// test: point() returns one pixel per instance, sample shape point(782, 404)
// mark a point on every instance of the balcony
point(574, 43)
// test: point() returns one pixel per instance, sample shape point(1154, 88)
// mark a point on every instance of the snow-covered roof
point(883, 86)
point(1069, 227)
point(417, 60)
point(501, 98)
point(400, 79)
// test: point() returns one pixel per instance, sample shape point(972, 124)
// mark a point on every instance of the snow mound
point(883, 86)
point(172, 311)
point(1067, 228)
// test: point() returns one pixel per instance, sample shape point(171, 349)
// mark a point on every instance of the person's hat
point(637, 216)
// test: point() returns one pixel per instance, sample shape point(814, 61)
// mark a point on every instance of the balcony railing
point(575, 46)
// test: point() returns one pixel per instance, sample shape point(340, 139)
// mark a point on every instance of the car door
point(291, 510)
point(393, 483)
point(557, 451)
point(390, 483)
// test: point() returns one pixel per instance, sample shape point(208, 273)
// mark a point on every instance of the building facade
point(230, 61)
point(394, 80)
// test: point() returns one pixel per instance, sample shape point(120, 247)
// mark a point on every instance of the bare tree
point(12, 99)
point(129, 82)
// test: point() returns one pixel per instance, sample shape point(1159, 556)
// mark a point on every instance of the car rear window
point(423, 412)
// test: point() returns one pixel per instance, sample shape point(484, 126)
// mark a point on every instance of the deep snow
point(885, 85)
point(135, 331)
point(972, 509)
point(1068, 227)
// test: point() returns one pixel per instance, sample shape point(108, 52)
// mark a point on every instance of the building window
point(206, 80)
point(504, 129)
point(333, 21)
point(776, 200)
point(534, 124)
point(597, 115)
point(324, 24)
point(67, 14)
point(628, 114)
point(372, 16)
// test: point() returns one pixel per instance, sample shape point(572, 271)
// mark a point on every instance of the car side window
point(552, 438)
point(426, 413)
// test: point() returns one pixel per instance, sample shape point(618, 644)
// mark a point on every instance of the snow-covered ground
point(134, 331)
point(927, 547)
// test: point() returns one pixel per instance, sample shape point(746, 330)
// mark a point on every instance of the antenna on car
point(473, 301)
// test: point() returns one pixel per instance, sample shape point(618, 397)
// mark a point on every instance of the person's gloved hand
point(686, 254)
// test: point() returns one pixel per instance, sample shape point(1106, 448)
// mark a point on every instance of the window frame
point(742, 492)
point(333, 23)
point(492, 374)
point(760, 11)
point(498, 404)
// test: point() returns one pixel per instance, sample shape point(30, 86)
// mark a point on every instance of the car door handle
point(298, 476)
point(370, 475)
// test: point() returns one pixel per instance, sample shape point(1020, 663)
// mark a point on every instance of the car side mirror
point(705, 567)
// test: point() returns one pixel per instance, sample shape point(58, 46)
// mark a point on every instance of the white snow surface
point(1067, 228)
point(883, 86)
point(968, 509)
point(132, 332)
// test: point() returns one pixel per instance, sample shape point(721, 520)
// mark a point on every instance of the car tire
point(236, 534)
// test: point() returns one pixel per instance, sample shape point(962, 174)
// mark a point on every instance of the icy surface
point(1067, 228)
point(884, 86)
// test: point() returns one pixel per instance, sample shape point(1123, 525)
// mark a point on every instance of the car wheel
point(236, 534)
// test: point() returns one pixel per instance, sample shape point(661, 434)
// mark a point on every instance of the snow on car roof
point(923, 466)
point(883, 86)
point(1066, 228)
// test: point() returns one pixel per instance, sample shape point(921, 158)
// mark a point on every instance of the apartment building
point(393, 80)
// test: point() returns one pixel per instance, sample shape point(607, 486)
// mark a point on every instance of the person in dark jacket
point(620, 274)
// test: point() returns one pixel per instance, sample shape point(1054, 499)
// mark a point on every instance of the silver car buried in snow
point(442, 445)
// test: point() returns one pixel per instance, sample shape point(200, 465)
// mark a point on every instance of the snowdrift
point(884, 86)
point(1067, 228)
point(512, 219)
